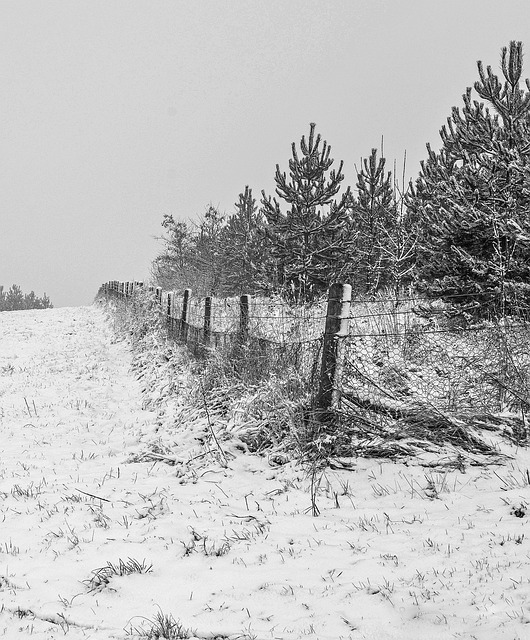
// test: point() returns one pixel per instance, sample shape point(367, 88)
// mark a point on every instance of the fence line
point(388, 361)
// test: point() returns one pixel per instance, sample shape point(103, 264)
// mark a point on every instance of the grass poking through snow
point(102, 577)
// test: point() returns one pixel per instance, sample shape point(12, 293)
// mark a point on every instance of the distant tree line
point(14, 300)
point(460, 231)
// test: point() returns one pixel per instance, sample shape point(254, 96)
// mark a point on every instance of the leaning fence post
point(207, 329)
point(337, 326)
point(244, 306)
point(184, 315)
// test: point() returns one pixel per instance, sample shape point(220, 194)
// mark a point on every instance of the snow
point(399, 550)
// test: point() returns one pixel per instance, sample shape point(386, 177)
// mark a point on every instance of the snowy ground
point(398, 551)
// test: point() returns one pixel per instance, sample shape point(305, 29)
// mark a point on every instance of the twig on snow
point(93, 496)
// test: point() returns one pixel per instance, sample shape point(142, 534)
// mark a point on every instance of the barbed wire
point(453, 330)
point(433, 298)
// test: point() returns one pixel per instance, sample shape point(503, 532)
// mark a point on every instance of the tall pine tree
point(308, 243)
point(471, 201)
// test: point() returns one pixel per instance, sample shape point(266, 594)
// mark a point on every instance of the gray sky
point(114, 112)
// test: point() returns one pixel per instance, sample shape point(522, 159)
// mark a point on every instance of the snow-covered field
point(406, 551)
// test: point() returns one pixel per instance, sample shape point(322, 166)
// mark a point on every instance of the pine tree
point(399, 243)
point(374, 216)
point(471, 201)
point(308, 242)
point(244, 253)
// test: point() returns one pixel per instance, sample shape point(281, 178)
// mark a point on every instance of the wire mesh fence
point(396, 355)
point(460, 370)
point(413, 352)
point(270, 339)
point(274, 338)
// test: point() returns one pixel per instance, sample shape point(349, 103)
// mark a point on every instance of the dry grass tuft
point(161, 627)
point(102, 577)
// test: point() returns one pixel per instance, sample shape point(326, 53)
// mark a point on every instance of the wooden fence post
point(337, 326)
point(184, 316)
point(244, 317)
point(207, 329)
point(169, 307)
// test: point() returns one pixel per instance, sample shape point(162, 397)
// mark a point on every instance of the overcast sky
point(115, 112)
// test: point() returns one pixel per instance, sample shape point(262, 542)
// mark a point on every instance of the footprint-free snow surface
point(96, 545)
